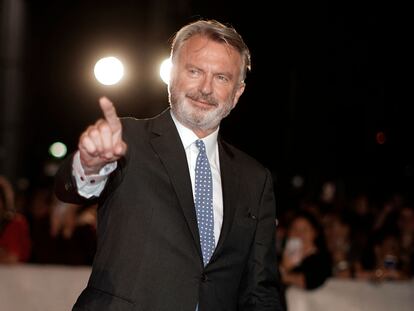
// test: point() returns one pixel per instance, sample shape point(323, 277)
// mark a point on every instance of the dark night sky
point(325, 79)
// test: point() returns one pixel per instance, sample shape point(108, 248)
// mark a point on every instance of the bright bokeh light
point(58, 150)
point(109, 70)
point(165, 70)
point(298, 181)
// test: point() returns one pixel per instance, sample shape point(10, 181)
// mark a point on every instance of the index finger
point(109, 112)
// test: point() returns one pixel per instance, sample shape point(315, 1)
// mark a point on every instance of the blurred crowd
point(357, 238)
point(316, 239)
point(35, 227)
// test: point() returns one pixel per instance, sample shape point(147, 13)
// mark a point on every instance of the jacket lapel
point(230, 185)
point(168, 146)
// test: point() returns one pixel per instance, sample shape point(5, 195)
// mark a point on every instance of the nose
point(206, 87)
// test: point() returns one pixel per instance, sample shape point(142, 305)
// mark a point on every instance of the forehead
point(201, 48)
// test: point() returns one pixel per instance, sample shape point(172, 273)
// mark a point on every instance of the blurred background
point(326, 98)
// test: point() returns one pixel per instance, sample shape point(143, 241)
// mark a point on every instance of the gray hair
point(216, 31)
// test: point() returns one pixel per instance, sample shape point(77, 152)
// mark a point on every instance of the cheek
point(224, 94)
point(179, 80)
point(185, 85)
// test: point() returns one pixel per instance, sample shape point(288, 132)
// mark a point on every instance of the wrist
point(91, 170)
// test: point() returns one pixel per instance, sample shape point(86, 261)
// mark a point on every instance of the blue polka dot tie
point(204, 202)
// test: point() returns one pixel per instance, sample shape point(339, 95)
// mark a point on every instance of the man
point(165, 241)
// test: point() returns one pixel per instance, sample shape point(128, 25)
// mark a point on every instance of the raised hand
point(102, 142)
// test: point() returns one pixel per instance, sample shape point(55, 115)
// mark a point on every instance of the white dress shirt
point(92, 185)
point(188, 138)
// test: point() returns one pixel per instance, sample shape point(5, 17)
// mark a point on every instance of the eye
point(222, 78)
point(194, 72)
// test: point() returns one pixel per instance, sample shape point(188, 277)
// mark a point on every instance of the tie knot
point(200, 145)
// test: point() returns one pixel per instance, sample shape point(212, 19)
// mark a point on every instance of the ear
point(239, 92)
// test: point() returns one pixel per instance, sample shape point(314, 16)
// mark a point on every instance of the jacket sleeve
point(261, 288)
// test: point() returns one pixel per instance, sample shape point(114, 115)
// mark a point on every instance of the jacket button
point(254, 217)
point(68, 186)
point(204, 277)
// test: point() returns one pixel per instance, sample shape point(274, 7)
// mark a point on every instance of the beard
point(198, 118)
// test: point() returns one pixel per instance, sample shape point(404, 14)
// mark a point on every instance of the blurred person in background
point(15, 242)
point(405, 223)
point(338, 241)
point(62, 233)
point(305, 261)
point(382, 260)
point(361, 215)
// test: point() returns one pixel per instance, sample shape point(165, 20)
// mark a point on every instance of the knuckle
point(83, 139)
point(94, 132)
point(98, 122)
point(104, 127)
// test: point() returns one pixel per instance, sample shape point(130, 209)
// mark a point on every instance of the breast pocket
point(247, 219)
point(242, 232)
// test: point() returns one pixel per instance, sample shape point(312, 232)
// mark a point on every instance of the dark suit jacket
point(148, 255)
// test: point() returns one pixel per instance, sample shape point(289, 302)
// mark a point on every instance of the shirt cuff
point(90, 185)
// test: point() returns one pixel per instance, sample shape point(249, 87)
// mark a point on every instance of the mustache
point(200, 97)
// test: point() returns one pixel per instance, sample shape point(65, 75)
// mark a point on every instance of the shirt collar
point(188, 137)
